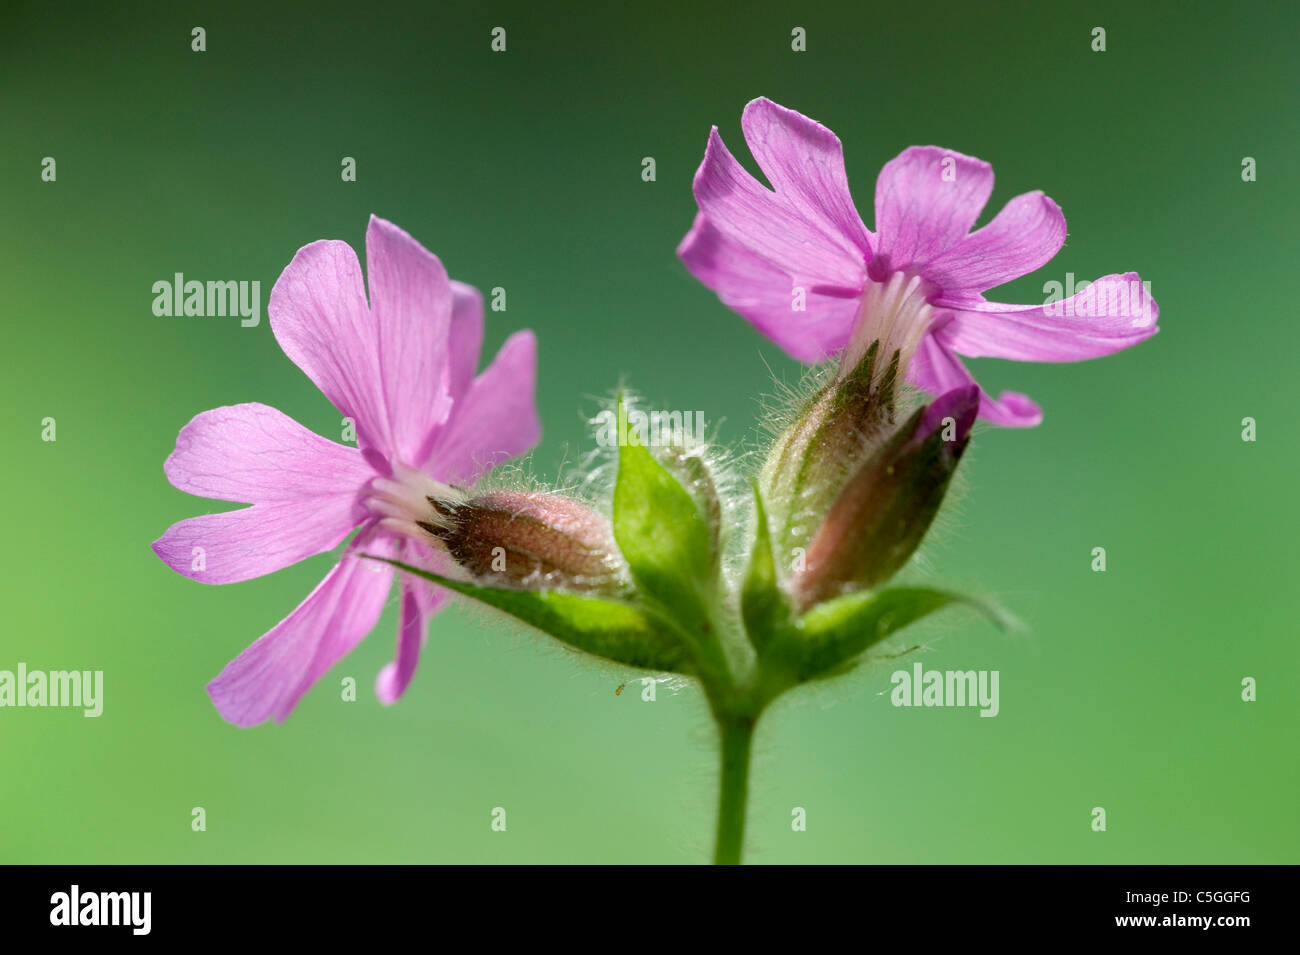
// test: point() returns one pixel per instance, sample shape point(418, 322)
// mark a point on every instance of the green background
point(523, 170)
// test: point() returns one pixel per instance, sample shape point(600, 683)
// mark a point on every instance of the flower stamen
point(411, 503)
point(895, 313)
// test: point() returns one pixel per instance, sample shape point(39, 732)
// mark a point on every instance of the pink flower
point(402, 368)
point(916, 284)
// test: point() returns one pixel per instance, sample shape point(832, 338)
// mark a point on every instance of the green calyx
point(844, 420)
point(749, 627)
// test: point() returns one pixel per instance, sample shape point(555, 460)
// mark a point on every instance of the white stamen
point(380, 505)
point(894, 313)
point(404, 501)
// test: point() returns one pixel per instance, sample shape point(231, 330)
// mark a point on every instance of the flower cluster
point(844, 497)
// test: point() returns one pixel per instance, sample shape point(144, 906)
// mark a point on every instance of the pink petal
point(254, 541)
point(421, 599)
point(804, 162)
point(267, 680)
point(395, 677)
point(495, 420)
point(762, 293)
point(773, 227)
point(1025, 235)
point(412, 634)
point(465, 341)
point(927, 200)
point(410, 305)
point(430, 598)
point(1113, 313)
point(937, 370)
point(253, 453)
point(320, 318)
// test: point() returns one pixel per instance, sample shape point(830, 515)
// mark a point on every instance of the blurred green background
point(523, 170)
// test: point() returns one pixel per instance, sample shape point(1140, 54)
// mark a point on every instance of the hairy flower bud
point(840, 425)
point(689, 467)
point(529, 540)
point(884, 509)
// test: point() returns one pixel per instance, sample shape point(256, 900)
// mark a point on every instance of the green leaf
point(763, 606)
point(828, 638)
point(604, 628)
point(661, 532)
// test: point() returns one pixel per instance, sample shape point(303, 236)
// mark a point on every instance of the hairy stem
point(737, 733)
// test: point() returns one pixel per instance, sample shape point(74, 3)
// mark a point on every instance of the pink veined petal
point(253, 453)
point(771, 227)
point(267, 680)
point(1113, 313)
point(320, 318)
point(410, 307)
point(927, 200)
point(258, 540)
point(1025, 235)
point(465, 342)
point(495, 420)
point(395, 677)
point(804, 162)
point(420, 600)
point(763, 294)
point(937, 370)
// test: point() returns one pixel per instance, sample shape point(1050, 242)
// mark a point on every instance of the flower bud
point(884, 509)
point(529, 540)
point(689, 467)
point(840, 425)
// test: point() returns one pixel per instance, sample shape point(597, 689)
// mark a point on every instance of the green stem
point(737, 735)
